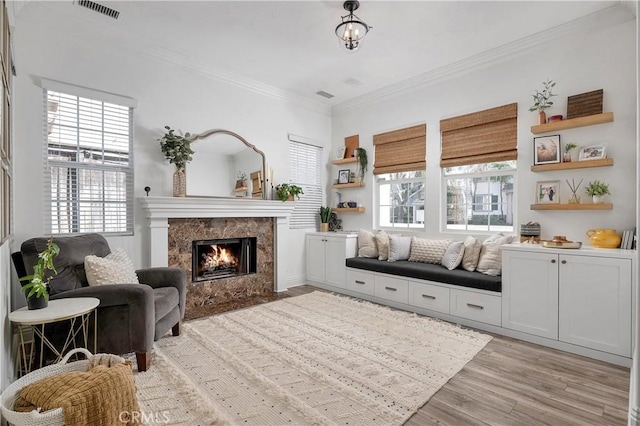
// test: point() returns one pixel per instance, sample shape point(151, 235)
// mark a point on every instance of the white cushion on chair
point(114, 268)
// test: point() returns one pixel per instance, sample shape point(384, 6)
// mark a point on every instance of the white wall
point(580, 63)
point(167, 94)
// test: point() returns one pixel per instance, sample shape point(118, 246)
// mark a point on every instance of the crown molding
point(605, 18)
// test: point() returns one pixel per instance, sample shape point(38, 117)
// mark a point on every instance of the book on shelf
point(625, 238)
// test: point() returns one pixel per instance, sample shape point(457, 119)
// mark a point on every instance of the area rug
point(314, 359)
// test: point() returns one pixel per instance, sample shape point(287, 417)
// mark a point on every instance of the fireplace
point(222, 258)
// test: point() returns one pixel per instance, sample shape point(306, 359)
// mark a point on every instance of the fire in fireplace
point(222, 258)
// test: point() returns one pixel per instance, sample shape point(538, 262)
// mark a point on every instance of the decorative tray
point(561, 244)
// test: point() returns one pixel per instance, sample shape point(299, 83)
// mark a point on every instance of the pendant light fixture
point(352, 30)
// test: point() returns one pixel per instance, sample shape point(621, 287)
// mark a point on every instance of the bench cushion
point(430, 272)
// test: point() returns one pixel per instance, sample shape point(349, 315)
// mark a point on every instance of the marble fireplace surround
point(158, 211)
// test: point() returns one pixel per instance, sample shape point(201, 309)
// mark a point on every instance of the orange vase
point(604, 238)
point(542, 117)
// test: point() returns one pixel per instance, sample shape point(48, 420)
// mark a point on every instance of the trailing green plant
point(597, 188)
point(363, 162)
point(285, 190)
point(37, 285)
point(325, 214)
point(176, 148)
point(569, 146)
point(542, 99)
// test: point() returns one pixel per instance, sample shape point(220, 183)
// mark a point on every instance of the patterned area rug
point(315, 359)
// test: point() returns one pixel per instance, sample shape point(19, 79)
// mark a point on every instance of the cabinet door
point(530, 292)
point(595, 303)
point(315, 258)
point(335, 269)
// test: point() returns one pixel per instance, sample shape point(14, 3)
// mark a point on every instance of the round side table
point(77, 310)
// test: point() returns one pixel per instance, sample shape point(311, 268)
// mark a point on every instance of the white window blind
point(305, 164)
point(88, 179)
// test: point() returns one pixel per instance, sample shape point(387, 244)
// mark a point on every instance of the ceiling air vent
point(98, 8)
point(325, 94)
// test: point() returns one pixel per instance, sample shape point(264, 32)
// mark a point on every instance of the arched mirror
point(221, 159)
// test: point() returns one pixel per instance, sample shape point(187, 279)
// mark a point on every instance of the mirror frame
point(213, 132)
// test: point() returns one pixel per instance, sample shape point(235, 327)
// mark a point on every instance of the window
point(480, 197)
point(88, 164)
point(305, 164)
point(401, 199)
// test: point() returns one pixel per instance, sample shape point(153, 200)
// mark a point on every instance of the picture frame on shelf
point(343, 176)
point(340, 152)
point(548, 192)
point(593, 152)
point(546, 150)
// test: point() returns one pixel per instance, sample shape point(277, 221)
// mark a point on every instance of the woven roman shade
point(400, 150)
point(480, 137)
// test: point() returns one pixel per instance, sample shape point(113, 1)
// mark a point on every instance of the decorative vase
point(179, 183)
point(324, 227)
point(34, 303)
point(598, 199)
point(604, 238)
point(574, 199)
point(566, 158)
point(542, 117)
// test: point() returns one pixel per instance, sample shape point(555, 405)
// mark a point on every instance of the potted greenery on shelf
point(363, 162)
point(568, 147)
point(177, 149)
point(542, 100)
point(286, 191)
point(36, 289)
point(597, 190)
point(325, 217)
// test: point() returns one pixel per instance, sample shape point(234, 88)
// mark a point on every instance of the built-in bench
point(429, 272)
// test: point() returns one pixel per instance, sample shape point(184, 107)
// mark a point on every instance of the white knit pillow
point(490, 262)
point(453, 256)
point(471, 255)
point(382, 241)
point(428, 251)
point(114, 268)
point(367, 244)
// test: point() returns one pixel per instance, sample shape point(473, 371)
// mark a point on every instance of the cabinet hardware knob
point(391, 289)
point(426, 296)
point(471, 305)
point(553, 261)
point(359, 282)
point(564, 262)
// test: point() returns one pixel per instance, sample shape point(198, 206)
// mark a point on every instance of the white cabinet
point(360, 281)
point(395, 289)
point(326, 255)
point(584, 297)
point(475, 306)
point(530, 292)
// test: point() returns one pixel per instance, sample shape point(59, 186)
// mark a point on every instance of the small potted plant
point(597, 190)
point(36, 289)
point(177, 149)
point(568, 147)
point(542, 100)
point(241, 180)
point(363, 162)
point(287, 192)
point(325, 216)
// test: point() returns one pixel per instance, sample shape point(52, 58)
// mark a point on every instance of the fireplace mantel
point(158, 210)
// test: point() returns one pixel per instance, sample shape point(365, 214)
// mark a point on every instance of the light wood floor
point(511, 382)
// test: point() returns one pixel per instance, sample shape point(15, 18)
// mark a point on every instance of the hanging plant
point(363, 162)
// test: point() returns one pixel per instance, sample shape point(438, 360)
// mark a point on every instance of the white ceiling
point(290, 46)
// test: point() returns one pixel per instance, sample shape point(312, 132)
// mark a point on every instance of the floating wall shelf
point(345, 161)
point(348, 185)
point(605, 117)
point(348, 210)
point(581, 206)
point(573, 165)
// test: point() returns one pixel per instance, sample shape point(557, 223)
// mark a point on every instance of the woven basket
point(52, 417)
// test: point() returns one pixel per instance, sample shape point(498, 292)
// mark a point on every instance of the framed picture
point(548, 192)
point(546, 149)
point(343, 176)
point(593, 152)
point(340, 152)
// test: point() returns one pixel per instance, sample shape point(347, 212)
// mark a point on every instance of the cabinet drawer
point(476, 306)
point(392, 289)
point(427, 296)
point(360, 282)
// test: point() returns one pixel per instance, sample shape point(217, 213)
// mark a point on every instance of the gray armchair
point(130, 316)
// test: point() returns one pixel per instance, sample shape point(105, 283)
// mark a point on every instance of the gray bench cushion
point(428, 271)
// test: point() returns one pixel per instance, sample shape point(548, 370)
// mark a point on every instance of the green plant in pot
point(325, 217)
point(597, 190)
point(286, 191)
point(35, 290)
point(177, 149)
point(568, 147)
point(542, 100)
point(363, 162)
